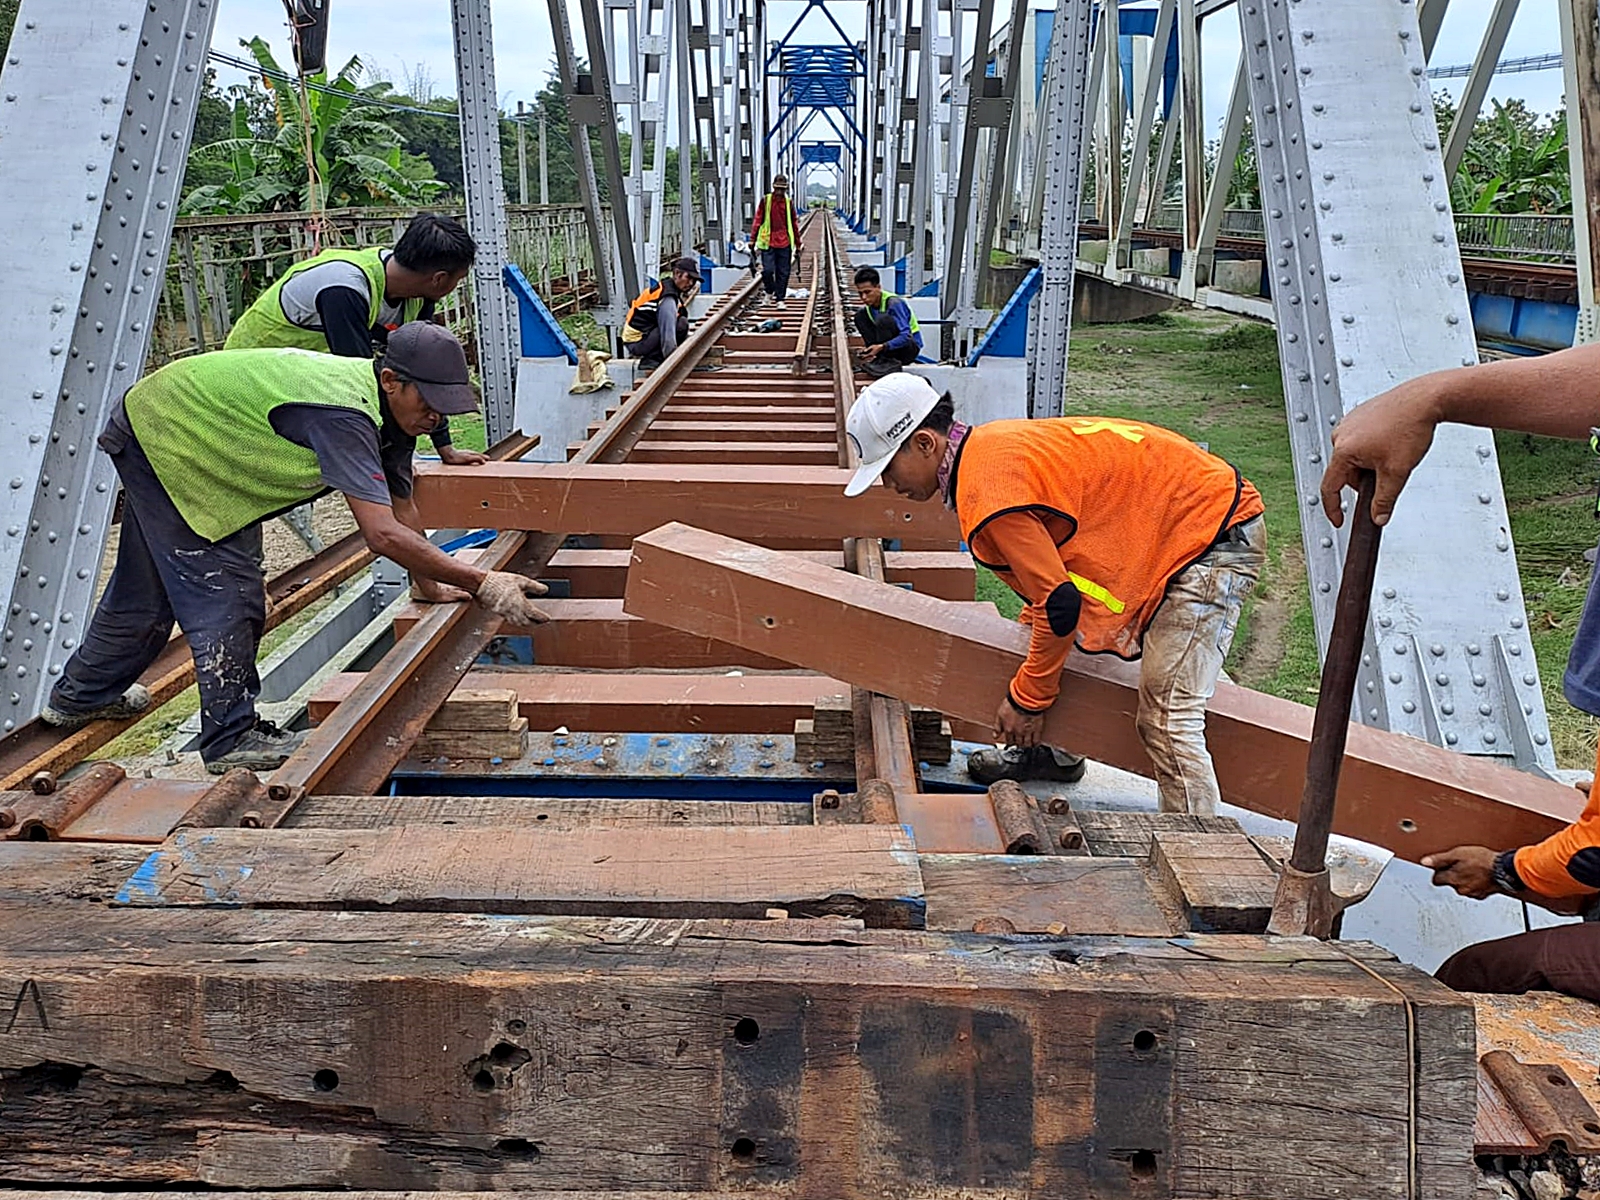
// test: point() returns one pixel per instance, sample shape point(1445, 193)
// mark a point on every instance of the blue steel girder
point(847, 42)
point(800, 130)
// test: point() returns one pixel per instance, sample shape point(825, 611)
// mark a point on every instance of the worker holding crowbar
point(209, 447)
point(1121, 537)
point(1556, 395)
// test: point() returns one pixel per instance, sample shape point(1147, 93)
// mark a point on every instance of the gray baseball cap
point(431, 357)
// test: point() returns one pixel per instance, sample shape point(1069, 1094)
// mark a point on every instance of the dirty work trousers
point(775, 263)
point(878, 329)
point(166, 571)
point(1184, 647)
point(1563, 958)
point(648, 348)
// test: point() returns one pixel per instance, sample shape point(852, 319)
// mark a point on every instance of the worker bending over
point(887, 325)
point(658, 318)
point(1121, 537)
point(209, 447)
point(346, 302)
point(775, 235)
point(1557, 395)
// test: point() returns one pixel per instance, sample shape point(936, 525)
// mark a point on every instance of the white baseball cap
point(886, 413)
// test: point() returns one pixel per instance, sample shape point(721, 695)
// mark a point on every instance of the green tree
point(8, 19)
point(1515, 161)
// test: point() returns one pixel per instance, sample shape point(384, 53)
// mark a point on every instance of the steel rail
point(356, 749)
point(35, 746)
point(802, 346)
point(887, 729)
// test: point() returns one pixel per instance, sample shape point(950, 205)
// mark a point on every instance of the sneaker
point(130, 704)
point(262, 748)
point(1012, 762)
point(777, 304)
point(880, 367)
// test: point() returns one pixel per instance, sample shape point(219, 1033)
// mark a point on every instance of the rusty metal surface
point(1548, 1028)
point(1546, 1102)
point(35, 817)
point(1017, 814)
point(142, 811)
point(951, 822)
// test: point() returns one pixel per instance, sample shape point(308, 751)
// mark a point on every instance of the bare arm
point(1556, 394)
point(387, 534)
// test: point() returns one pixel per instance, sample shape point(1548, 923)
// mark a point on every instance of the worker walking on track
point(1121, 537)
point(775, 235)
point(1557, 395)
point(209, 447)
point(658, 318)
point(887, 325)
point(346, 302)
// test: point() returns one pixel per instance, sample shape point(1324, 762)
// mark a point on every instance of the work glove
point(510, 597)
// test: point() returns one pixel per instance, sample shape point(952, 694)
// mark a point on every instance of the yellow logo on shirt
point(1084, 426)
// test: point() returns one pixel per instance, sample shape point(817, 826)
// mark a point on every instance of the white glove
point(510, 597)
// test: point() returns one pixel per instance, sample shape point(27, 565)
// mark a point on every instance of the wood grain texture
point(449, 1051)
point(685, 872)
point(1220, 879)
point(1406, 795)
point(1055, 894)
point(531, 812)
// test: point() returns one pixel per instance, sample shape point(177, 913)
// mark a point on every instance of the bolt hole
point(223, 1081)
point(1558, 1080)
point(1144, 1041)
point(1591, 1127)
point(770, 622)
point(1408, 826)
point(483, 504)
point(516, 1027)
point(746, 1031)
point(517, 1148)
point(505, 1053)
point(743, 1149)
point(38, 833)
point(325, 1080)
point(1143, 1164)
point(483, 1081)
point(542, 817)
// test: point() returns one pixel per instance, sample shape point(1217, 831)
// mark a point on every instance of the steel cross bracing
point(703, 42)
point(1367, 290)
point(95, 124)
point(486, 209)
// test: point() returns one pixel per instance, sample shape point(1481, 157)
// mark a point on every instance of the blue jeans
point(165, 570)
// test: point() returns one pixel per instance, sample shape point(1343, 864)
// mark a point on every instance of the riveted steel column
point(486, 210)
point(1367, 292)
point(97, 113)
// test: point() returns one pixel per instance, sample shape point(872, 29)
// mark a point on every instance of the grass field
point(1215, 379)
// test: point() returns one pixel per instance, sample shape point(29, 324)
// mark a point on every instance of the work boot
point(130, 704)
point(262, 748)
point(1012, 762)
point(881, 366)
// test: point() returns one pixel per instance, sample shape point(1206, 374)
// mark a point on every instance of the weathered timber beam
point(435, 1051)
point(1406, 795)
point(742, 501)
point(869, 872)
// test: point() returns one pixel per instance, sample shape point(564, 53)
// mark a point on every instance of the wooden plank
point(1220, 879)
point(510, 742)
point(436, 1051)
point(1114, 834)
point(607, 703)
point(1396, 792)
point(741, 500)
point(476, 708)
point(1054, 894)
point(61, 871)
point(778, 454)
point(532, 812)
point(841, 870)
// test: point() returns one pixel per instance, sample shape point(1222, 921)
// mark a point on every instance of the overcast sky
point(397, 36)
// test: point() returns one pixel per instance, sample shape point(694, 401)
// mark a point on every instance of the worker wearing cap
point(347, 301)
point(1556, 395)
point(658, 318)
point(1121, 537)
point(207, 448)
point(775, 234)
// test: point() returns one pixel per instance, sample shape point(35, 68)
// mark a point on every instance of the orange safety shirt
point(1567, 863)
point(1113, 508)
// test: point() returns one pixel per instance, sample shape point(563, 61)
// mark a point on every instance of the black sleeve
point(1061, 608)
point(441, 435)
point(346, 446)
point(344, 314)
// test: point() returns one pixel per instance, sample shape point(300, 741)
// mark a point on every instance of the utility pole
point(544, 164)
point(522, 152)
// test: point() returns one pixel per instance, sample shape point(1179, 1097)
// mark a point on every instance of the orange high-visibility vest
point(1130, 506)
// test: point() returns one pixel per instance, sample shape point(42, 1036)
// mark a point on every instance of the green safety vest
point(263, 323)
point(916, 325)
point(764, 234)
point(204, 423)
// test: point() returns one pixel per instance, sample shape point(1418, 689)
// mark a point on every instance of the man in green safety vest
point(775, 235)
point(209, 447)
point(887, 325)
point(345, 302)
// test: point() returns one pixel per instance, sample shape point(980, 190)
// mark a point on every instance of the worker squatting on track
point(1121, 537)
point(658, 318)
point(209, 447)
point(1557, 395)
point(346, 302)
point(892, 334)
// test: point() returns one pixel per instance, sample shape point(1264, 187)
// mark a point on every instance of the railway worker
point(208, 448)
point(1557, 395)
point(775, 234)
point(658, 318)
point(1121, 537)
point(346, 302)
point(887, 325)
